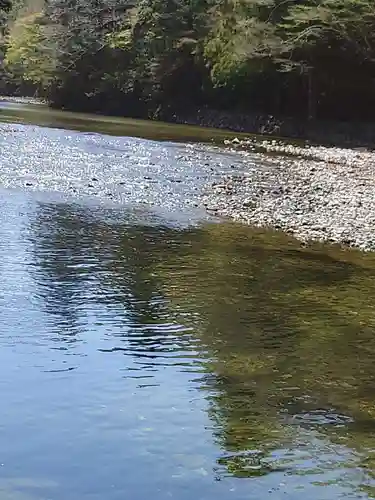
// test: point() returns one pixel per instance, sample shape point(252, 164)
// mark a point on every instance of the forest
point(309, 59)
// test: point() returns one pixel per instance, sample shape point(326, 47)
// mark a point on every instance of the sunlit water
point(149, 354)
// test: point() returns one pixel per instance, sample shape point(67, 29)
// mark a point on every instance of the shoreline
point(318, 132)
point(22, 100)
point(313, 193)
point(325, 132)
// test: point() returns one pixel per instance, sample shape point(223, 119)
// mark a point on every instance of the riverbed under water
point(148, 350)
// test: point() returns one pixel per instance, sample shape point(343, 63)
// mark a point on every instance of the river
point(149, 350)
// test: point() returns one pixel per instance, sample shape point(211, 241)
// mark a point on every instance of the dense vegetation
point(309, 58)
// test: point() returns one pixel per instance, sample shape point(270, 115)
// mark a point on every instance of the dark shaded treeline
point(157, 59)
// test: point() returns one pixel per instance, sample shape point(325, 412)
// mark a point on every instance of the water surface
point(145, 352)
point(40, 114)
point(112, 169)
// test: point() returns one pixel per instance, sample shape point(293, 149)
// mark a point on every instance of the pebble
point(312, 192)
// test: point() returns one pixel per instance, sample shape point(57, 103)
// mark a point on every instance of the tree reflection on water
point(283, 335)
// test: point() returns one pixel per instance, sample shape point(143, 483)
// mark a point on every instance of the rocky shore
point(21, 100)
point(313, 193)
point(328, 133)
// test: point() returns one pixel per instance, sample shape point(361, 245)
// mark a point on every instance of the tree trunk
point(311, 101)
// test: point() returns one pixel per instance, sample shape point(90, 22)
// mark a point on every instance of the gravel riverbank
point(314, 193)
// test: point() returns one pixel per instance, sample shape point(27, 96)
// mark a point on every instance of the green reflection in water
point(285, 334)
point(290, 332)
point(41, 115)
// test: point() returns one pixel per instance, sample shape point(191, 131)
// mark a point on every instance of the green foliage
point(30, 54)
point(343, 26)
point(5, 7)
point(240, 41)
point(147, 57)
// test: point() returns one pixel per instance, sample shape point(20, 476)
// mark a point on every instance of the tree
point(168, 52)
point(5, 6)
point(30, 55)
point(330, 41)
point(240, 52)
point(155, 58)
point(82, 29)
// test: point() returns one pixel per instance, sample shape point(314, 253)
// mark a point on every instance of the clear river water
point(149, 350)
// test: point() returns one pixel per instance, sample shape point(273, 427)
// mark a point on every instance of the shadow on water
point(277, 339)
